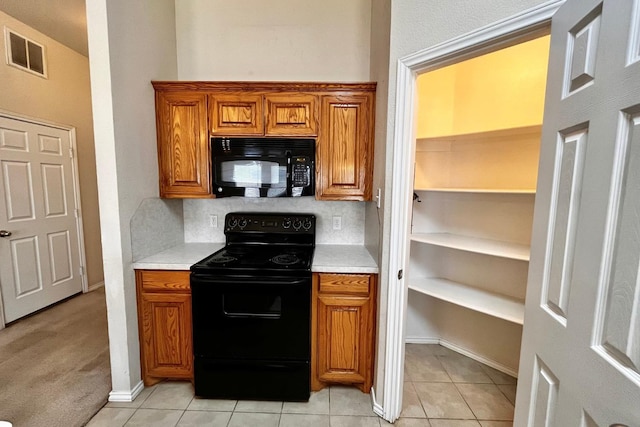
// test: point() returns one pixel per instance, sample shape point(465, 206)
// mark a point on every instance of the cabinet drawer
point(164, 280)
point(348, 284)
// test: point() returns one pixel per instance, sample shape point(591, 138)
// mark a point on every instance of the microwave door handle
point(289, 173)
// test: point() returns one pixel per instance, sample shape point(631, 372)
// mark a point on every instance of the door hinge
point(400, 273)
point(71, 152)
point(81, 270)
point(76, 212)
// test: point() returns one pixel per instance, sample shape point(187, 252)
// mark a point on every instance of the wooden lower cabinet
point(343, 330)
point(164, 322)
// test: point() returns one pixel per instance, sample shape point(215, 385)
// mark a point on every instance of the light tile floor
point(442, 389)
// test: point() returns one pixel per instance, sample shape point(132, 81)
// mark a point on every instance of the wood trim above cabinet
point(272, 87)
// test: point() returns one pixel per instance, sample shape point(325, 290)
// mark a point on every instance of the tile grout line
point(465, 401)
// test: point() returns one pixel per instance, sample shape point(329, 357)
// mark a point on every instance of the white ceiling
point(63, 20)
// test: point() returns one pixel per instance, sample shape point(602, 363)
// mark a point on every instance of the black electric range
point(251, 304)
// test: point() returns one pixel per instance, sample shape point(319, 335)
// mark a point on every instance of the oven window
point(247, 305)
point(254, 173)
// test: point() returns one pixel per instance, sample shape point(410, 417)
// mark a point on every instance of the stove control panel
point(270, 222)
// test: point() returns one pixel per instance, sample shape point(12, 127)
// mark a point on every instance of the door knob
point(5, 233)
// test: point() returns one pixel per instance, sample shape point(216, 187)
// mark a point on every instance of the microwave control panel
point(301, 172)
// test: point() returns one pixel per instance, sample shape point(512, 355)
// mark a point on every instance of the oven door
point(251, 318)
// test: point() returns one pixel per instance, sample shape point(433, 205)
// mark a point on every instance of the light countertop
point(343, 259)
point(180, 257)
point(326, 259)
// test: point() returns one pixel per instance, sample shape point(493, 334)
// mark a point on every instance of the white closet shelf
point(475, 244)
point(479, 190)
point(486, 302)
point(509, 133)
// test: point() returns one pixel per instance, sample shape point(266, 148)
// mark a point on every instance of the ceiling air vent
point(24, 53)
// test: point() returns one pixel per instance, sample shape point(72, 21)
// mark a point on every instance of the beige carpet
point(54, 365)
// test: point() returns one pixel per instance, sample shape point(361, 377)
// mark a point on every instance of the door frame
point(76, 192)
point(518, 28)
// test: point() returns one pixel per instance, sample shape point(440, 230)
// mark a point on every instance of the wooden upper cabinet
point(183, 144)
point(291, 114)
point(345, 147)
point(339, 115)
point(236, 114)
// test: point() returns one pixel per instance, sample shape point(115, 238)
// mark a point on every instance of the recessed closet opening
point(478, 129)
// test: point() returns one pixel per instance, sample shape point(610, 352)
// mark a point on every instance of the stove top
point(263, 242)
point(258, 257)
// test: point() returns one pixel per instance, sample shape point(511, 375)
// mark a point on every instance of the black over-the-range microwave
point(263, 167)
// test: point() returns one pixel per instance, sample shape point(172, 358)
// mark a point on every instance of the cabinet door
point(345, 148)
point(183, 146)
point(345, 331)
point(236, 114)
point(166, 336)
point(291, 114)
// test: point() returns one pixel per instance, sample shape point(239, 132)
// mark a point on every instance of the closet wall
point(476, 161)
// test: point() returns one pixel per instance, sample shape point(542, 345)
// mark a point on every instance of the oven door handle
point(252, 281)
point(270, 316)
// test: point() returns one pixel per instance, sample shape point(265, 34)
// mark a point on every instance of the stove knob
point(286, 223)
point(306, 224)
point(242, 223)
point(232, 223)
point(297, 224)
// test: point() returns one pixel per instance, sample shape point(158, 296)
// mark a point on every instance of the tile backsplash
point(157, 224)
point(197, 217)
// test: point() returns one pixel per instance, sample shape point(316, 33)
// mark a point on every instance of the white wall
point(130, 44)
point(379, 69)
point(63, 98)
point(296, 40)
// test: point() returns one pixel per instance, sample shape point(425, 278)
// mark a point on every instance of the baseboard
point(478, 358)
point(95, 286)
point(377, 408)
point(126, 396)
point(421, 340)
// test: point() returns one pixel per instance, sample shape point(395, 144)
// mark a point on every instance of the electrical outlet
point(213, 221)
point(337, 223)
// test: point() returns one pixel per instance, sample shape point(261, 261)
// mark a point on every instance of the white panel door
point(580, 358)
point(39, 253)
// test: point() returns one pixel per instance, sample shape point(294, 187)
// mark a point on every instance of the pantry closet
point(476, 160)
